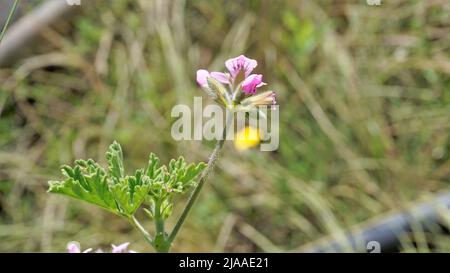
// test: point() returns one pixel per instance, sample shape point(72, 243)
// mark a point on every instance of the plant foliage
point(123, 194)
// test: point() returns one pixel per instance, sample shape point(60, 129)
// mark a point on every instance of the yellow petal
point(247, 138)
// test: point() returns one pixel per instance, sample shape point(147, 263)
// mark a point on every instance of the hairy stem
point(12, 11)
point(203, 178)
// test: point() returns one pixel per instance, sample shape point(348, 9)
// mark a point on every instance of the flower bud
point(219, 91)
point(265, 98)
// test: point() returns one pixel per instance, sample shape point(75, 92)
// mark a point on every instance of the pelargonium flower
point(237, 66)
point(123, 248)
point(241, 63)
point(240, 84)
point(74, 247)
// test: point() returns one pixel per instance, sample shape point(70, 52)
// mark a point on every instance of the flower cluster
point(74, 247)
point(237, 88)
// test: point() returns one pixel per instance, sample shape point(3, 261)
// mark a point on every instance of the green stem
point(139, 227)
point(204, 176)
point(12, 11)
point(160, 242)
point(159, 221)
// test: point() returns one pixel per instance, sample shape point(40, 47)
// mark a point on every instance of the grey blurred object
point(5, 6)
point(22, 32)
point(382, 235)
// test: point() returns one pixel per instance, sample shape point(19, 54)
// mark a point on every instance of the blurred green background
point(364, 95)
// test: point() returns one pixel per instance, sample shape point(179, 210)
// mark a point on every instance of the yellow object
point(246, 138)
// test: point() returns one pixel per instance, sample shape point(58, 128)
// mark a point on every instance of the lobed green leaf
point(121, 194)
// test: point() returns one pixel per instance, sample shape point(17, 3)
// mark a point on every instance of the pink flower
point(74, 247)
point(252, 82)
point(234, 66)
point(202, 77)
point(239, 81)
point(239, 64)
point(123, 248)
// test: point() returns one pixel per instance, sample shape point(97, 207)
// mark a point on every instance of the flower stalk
point(203, 178)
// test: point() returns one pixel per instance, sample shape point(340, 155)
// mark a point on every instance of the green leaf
point(191, 172)
point(166, 181)
point(121, 194)
point(166, 208)
point(153, 166)
point(114, 157)
point(183, 175)
point(178, 177)
point(131, 191)
point(87, 182)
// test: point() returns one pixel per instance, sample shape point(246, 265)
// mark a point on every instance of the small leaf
point(114, 157)
point(192, 171)
point(153, 166)
point(166, 209)
point(130, 192)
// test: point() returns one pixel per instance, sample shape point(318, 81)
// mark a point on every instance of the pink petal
point(261, 84)
point(252, 82)
point(248, 68)
point(221, 77)
point(243, 63)
point(73, 247)
point(120, 248)
point(202, 76)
